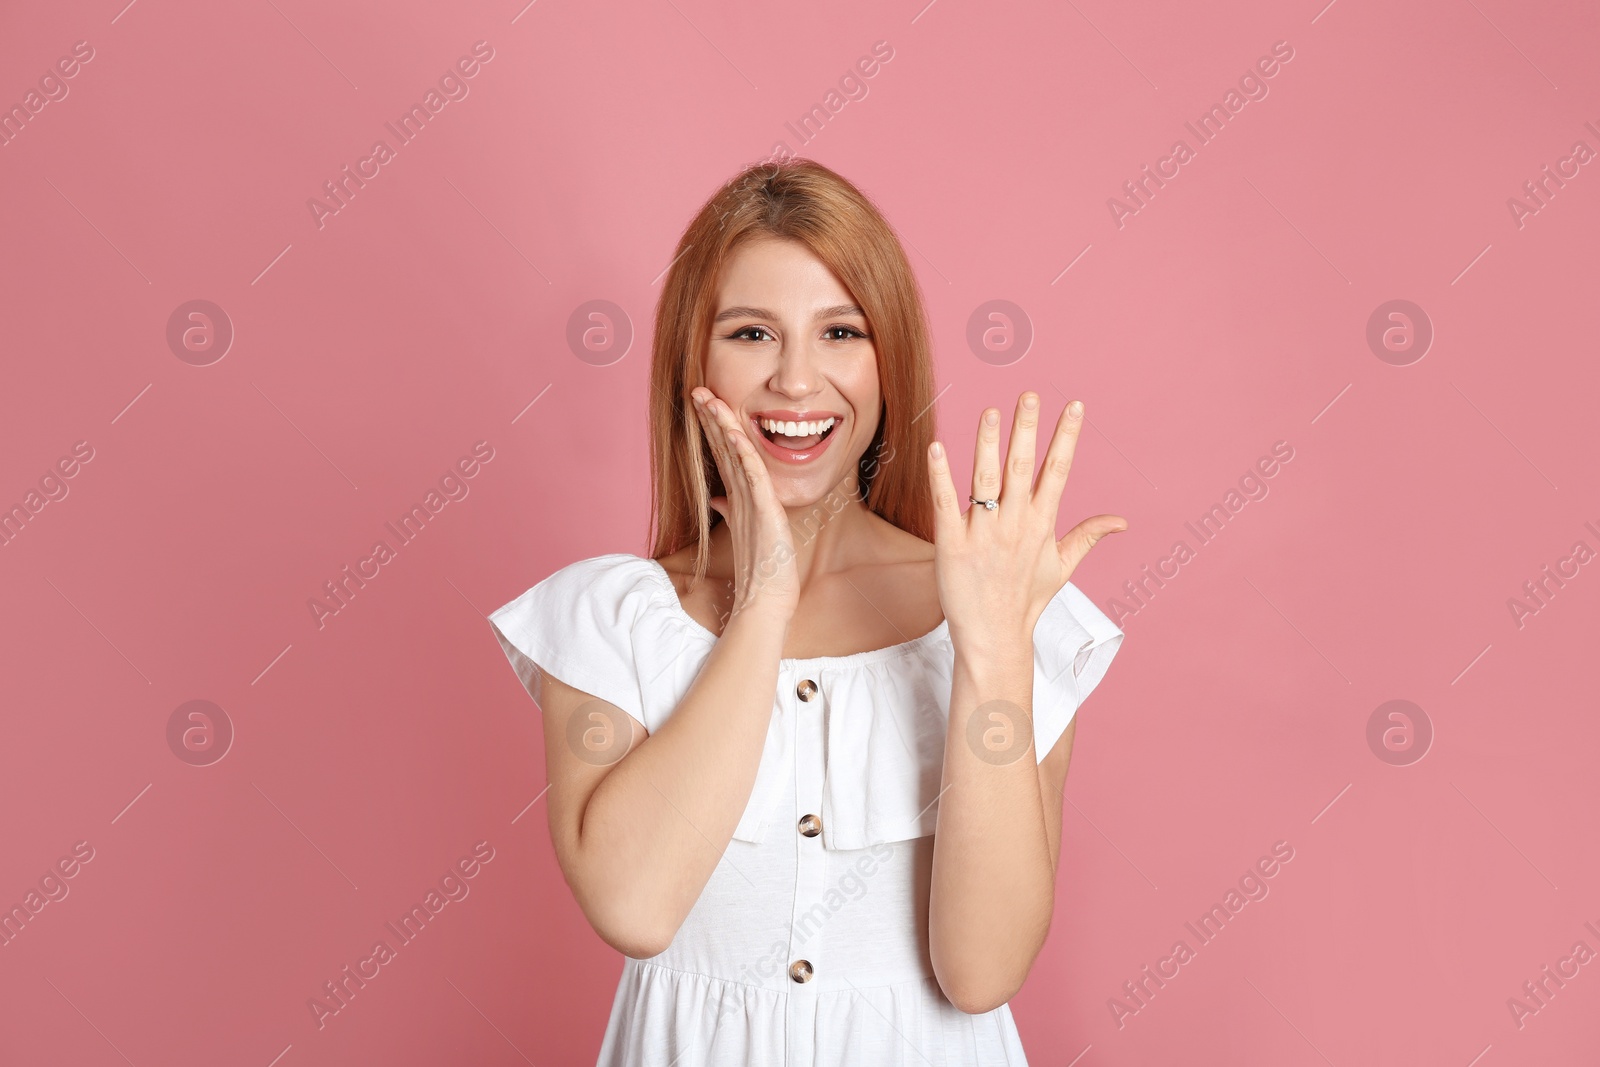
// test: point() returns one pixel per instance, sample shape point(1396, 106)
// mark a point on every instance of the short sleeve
point(1073, 644)
point(578, 625)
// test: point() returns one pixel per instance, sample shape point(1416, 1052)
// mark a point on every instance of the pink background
point(1229, 313)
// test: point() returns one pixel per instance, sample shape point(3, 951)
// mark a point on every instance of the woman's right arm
point(639, 837)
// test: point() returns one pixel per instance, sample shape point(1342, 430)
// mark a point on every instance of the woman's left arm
point(998, 837)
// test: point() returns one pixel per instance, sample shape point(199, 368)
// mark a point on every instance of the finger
point(946, 505)
point(1058, 458)
point(986, 456)
point(1017, 484)
point(715, 444)
point(752, 471)
point(713, 433)
point(742, 477)
point(1077, 542)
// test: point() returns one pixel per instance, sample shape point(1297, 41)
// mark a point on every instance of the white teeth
point(797, 429)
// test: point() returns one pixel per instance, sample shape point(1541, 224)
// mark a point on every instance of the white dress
point(804, 948)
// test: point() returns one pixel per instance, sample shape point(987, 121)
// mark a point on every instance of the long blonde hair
point(802, 200)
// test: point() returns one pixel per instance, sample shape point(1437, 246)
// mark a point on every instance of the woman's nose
point(796, 373)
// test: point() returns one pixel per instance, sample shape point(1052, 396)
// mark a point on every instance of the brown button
point(800, 970)
point(806, 689)
point(810, 826)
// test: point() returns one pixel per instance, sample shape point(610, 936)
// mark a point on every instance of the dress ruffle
point(613, 626)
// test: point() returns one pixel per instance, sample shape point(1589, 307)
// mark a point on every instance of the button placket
point(809, 824)
point(808, 951)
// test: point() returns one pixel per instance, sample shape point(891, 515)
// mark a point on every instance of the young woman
point(789, 753)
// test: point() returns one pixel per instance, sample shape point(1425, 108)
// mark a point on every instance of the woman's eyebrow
point(763, 313)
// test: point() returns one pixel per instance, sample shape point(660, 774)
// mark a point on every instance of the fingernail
point(1030, 401)
point(991, 417)
point(937, 449)
point(1075, 408)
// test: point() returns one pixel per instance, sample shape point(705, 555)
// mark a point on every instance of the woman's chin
point(799, 491)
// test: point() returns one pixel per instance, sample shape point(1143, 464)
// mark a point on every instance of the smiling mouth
point(779, 433)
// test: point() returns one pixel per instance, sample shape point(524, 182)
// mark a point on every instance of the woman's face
point(789, 345)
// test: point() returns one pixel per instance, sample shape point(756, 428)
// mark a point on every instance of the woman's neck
point(836, 532)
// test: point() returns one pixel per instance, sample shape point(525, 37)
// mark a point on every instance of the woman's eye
point(831, 333)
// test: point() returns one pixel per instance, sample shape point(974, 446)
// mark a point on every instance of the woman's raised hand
point(997, 570)
point(763, 546)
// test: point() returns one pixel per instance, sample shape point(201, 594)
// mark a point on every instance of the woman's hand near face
point(997, 570)
point(764, 570)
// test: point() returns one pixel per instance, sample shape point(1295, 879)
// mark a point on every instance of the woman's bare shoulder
point(679, 566)
point(708, 600)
